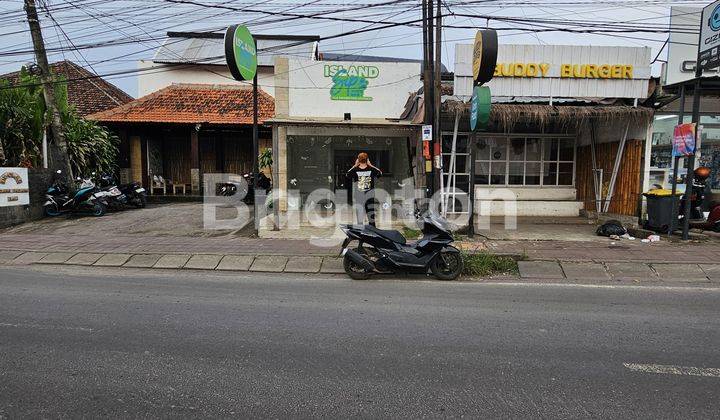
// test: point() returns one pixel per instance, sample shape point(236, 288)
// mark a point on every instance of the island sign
point(240, 52)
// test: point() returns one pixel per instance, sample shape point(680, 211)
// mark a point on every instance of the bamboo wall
point(629, 181)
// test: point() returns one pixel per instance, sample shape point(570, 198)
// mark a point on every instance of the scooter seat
point(392, 235)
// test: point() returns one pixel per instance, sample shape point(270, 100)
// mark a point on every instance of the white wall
point(683, 47)
point(551, 84)
point(165, 75)
point(310, 87)
point(611, 131)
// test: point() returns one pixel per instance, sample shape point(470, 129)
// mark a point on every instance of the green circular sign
point(480, 105)
point(240, 52)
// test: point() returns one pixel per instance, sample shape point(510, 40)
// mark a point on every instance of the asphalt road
point(149, 344)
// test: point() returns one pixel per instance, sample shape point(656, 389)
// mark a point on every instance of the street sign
point(14, 187)
point(427, 132)
point(485, 52)
point(709, 46)
point(240, 52)
point(480, 106)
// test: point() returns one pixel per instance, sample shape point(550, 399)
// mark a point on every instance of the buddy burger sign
point(572, 71)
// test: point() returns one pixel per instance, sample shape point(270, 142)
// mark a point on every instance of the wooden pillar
point(136, 165)
point(194, 161)
point(145, 159)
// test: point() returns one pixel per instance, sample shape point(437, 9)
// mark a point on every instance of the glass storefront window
point(515, 160)
point(532, 173)
point(516, 173)
point(661, 160)
point(497, 173)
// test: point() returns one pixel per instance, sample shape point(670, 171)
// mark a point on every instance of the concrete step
point(546, 208)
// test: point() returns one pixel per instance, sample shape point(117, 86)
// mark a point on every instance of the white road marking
point(674, 370)
point(45, 327)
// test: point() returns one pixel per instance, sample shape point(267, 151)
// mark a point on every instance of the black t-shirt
point(365, 178)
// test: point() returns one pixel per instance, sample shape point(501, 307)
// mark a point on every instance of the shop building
point(171, 137)
point(326, 112)
point(566, 132)
point(191, 116)
point(679, 69)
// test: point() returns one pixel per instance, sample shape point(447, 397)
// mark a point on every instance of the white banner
point(14, 187)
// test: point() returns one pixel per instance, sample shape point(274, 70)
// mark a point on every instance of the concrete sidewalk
point(632, 272)
point(596, 251)
point(219, 262)
point(630, 261)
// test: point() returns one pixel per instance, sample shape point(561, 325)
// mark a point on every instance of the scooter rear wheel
point(354, 270)
point(52, 210)
point(99, 209)
point(447, 265)
point(141, 202)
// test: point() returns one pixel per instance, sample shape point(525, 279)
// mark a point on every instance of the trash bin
point(660, 209)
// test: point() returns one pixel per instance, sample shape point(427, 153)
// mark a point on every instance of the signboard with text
point(364, 89)
point(240, 52)
point(14, 187)
point(559, 71)
point(684, 136)
point(709, 48)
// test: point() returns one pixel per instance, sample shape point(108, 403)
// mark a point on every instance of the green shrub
point(485, 264)
point(411, 233)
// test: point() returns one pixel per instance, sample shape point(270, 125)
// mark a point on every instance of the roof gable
point(193, 104)
point(87, 92)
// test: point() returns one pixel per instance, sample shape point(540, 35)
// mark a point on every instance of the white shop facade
point(680, 67)
point(559, 116)
point(326, 112)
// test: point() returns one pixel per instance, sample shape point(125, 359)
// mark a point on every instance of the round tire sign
point(485, 52)
point(240, 52)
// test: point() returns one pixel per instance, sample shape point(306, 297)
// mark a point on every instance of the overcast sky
point(142, 24)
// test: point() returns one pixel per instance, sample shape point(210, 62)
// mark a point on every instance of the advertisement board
point(14, 187)
point(684, 137)
point(709, 48)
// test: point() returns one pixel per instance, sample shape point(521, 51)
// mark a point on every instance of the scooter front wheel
point(447, 265)
point(354, 270)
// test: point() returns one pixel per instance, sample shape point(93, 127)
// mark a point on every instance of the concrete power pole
point(48, 89)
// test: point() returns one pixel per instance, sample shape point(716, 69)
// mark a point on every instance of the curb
point(267, 263)
point(549, 269)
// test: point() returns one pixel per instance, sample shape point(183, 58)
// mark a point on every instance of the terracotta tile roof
point(86, 92)
point(192, 104)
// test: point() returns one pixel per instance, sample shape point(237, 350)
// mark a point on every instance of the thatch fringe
point(507, 115)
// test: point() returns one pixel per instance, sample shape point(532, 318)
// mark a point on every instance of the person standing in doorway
point(362, 176)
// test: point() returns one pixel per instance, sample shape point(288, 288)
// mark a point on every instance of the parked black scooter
point(115, 198)
point(125, 194)
point(87, 199)
point(387, 251)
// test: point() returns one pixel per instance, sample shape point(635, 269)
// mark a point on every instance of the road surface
point(89, 343)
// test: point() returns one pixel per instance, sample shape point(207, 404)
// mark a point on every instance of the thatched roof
point(508, 114)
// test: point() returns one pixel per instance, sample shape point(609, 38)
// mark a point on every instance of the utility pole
point(430, 92)
point(56, 126)
point(437, 91)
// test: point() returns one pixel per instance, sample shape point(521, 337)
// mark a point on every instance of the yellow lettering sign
point(566, 71)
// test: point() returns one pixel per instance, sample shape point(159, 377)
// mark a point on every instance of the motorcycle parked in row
point(86, 199)
point(124, 194)
point(387, 251)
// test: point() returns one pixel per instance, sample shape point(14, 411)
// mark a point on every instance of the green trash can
point(660, 209)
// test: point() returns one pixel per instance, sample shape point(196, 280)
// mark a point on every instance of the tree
point(24, 117)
